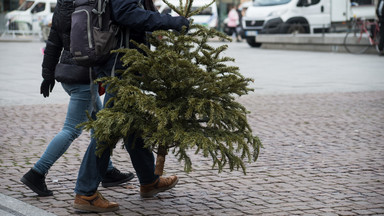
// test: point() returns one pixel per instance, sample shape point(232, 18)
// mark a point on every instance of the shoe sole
point(88, 208)
point(156, 191)
point(34, 188)
point(112, 184)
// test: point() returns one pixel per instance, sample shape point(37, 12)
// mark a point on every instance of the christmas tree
point(179, 96)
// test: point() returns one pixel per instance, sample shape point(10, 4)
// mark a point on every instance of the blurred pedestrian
point(76, 81)
point(380, 15)
point(241, 12)
point(233, 22)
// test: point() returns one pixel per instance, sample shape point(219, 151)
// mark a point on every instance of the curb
point(10, 206)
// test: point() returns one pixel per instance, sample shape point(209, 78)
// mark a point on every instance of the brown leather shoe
point(94, 203)
point(160, 185)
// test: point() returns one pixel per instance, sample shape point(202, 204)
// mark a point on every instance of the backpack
point(93, 34)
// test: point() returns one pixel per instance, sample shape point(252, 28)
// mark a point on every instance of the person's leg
point(92, 170)
point(237, 33)
point(142, 159)
point(80, 102)
point(231, 31)
point(144, 163)
point(381, 42)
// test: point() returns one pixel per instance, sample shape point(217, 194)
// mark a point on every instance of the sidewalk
point(329, 42)
point(10, 206)
point(323, 155)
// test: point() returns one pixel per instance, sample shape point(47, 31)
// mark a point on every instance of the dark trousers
point(233, 30)
point(381, 42)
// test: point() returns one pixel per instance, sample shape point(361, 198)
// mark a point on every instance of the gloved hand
point(46, 87)
point(180, 22)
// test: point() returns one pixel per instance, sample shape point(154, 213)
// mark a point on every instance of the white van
point(298, 16)
point(29, 15)
point(208, 17)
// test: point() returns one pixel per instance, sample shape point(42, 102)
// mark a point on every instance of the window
point(313, 2)
point(270, 2)
point(307, 3)
point(38, 8)
point(26, 5)
point(361, 2)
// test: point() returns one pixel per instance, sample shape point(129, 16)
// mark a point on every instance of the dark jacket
point(57, 48)
point(380, 10)
point(132, 15)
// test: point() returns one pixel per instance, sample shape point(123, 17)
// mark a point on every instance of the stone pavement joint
point(323, 155)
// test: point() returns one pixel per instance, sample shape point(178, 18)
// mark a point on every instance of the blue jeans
point(93, 168)
point(80, 102)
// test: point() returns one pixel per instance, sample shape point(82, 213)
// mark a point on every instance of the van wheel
point(296, 28)
point(252, 42)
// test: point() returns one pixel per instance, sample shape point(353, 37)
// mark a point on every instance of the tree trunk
point(160, 160)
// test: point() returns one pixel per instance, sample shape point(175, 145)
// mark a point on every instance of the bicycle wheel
point(356, 41)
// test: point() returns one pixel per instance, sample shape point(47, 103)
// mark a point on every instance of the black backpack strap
point(91, 86)
point(117, 55)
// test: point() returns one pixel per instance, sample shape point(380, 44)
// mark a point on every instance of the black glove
point(46, 87)
point(180, 22)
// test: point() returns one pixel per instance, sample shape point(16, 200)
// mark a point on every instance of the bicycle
point(362, 35)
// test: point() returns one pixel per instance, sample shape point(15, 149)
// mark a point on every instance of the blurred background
point(32, 17)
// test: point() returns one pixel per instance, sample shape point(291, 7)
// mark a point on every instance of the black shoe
point(115, 177)
point(36, 182)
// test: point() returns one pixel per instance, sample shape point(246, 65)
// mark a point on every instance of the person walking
point(380, 15)
point(135, 20)
point(76, 81)
point(239, 28)
point(233, 22)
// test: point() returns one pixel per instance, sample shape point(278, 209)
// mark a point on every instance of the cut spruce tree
point(180, 97)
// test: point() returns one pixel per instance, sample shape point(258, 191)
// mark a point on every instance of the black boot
point(115, 177)
point(36, 182)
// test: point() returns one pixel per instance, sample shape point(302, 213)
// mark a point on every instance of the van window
point(313, 2)
point(38, 8)
point(270, 2)
point(306, 3)
point(26, 5)
point(361, 2)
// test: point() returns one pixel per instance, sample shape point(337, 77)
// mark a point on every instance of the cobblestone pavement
point(323, 155)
